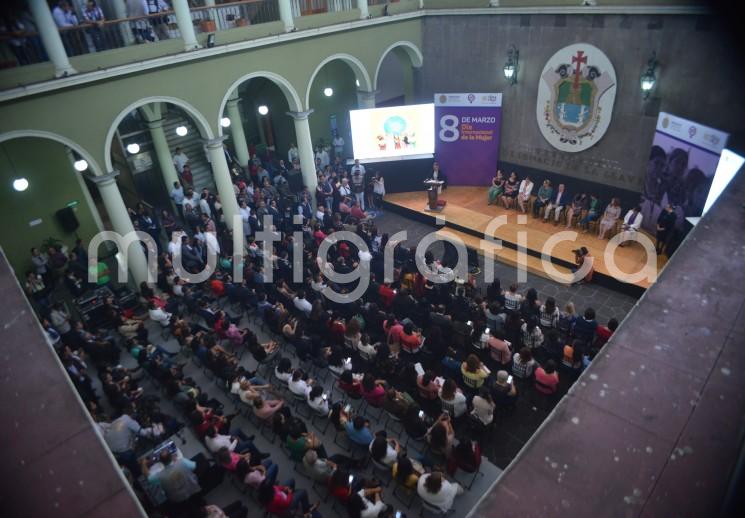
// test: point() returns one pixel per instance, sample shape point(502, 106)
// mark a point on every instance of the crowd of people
point(580, 209)
point(413, 376)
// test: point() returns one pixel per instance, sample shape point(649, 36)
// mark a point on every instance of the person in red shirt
point(318, 234)
point(280, 500)
point(386, 294)
point(546, 378)
point(410, 339)
point(357, 213)
point(603, 333)
point(218, 287)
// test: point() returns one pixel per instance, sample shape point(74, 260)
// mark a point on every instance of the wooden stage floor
point(467, 215)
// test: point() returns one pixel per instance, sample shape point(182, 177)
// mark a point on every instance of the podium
point(432, 195)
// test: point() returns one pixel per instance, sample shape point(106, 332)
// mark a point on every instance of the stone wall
point(699, 78)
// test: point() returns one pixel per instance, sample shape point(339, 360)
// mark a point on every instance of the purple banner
point(467, 136)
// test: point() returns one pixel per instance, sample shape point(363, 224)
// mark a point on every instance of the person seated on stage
point(496, 189)
point(557, 204)
point(510, 190)
point(580, 203)
point(523, 194)
point(593, 213)
point(543, 198)
point(610, 216)
point(631, 224)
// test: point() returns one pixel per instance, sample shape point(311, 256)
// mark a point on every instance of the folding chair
point(382, 471)
point(433, 509)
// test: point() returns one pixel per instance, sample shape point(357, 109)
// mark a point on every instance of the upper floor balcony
point(44, 40)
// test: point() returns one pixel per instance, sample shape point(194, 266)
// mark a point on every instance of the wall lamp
point(648, 79)
point(512, 65)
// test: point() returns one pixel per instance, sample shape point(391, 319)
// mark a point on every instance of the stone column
point(366, 99)
point(223, 180)
point(163, 152)
point(364, 11)
point(236, 129)
point(121, 223)
point(285, 14)
point(185, 25)
point(50, 38)
point(305, 151)
point(125, 29)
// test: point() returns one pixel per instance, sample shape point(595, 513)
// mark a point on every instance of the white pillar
point(185, 25)
point(305, 151)
point(50, 37)
point(121, 222)
point(285, 14)
point(364, 11)
point(163, 152)
point(236, 130)
point(366, 99)
point(125, 29)
point(223, 180)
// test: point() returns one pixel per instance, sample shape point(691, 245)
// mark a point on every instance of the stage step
point(504, 255)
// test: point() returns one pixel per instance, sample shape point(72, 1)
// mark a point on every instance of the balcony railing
point(306, 7)
point(18, 48)
point(234, 14)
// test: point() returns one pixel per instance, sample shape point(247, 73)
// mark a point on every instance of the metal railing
point(234, 14)
point(308, 7)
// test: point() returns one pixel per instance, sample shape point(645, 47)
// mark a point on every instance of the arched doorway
point(143, 143)
point(394, 75)
point(331, 93)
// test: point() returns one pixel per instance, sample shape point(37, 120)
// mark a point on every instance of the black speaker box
point(67, 219)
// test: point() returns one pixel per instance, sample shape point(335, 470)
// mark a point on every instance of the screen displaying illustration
point(395, 132)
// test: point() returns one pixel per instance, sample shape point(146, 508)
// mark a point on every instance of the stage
point(467, 215)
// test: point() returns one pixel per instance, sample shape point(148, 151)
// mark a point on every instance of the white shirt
point(379, 186)
point(210, 239)
point(177, 195)
point(220, 441)
point(299, 387)
point(192, 202)
point(64, 19)
point(204, 207)
point(633, 225)
point(372, 509)
point(245, 213)
point(282, 376)
point(303, 305)
point(442, 499)
point(390, 456)
point(180, 160)
point(345, 190)
point(160, 316)
point(292, 154)
point(525, 188)
point(338, 144)
point(360, 167)
point(319, 405)
point(458, 403)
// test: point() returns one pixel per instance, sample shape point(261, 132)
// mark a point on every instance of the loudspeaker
point(67, 219)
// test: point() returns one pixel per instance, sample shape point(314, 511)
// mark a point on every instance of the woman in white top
point(434, 489)
point(283, 370)
point(549, 313)
point(532, 334)
point(512, 299)
point(245, 212)
point(453, 400)
point(299, 384)
point(318, 401)
point(204, 207)
point(366, 349)
point(523, 193)
point(523, 364)
point(483, 407)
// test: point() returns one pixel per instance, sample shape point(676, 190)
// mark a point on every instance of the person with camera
point(177, 479)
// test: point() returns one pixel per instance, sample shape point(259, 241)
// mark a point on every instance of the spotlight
point(263, 109)
point(20, 184)
point(181, 131)
point(80, 165)
point(133, 148)
point(328, 92)
point(225, 122)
